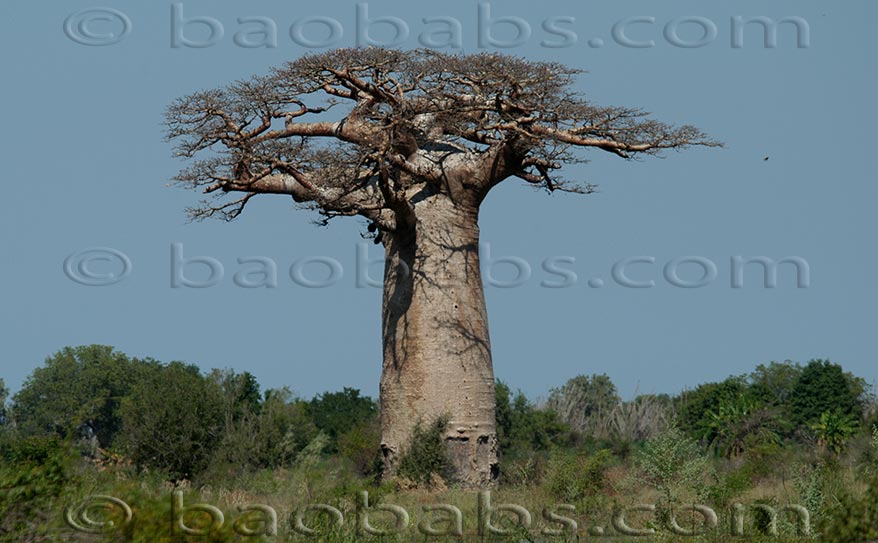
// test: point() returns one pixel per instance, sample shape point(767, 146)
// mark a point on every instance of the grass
point(324, 491)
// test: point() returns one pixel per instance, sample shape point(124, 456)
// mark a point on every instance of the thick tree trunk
point(437, 353)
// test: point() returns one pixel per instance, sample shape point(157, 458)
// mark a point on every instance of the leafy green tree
point(738, 424)
point(834, 429)
point(523, 427)
point(77, 393)
point(335, 413)
point(693, 405)
point(504, 408)
point(824, 386)
point(268, 437)
point(285, 428)
point(773, 384)
point(241, 393)
point(671, 463)
point(173, 420)
point(242, 400)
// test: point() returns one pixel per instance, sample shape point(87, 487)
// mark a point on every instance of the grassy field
point(98, 447)
point(562, 495)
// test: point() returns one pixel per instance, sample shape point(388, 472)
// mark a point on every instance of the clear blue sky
point(85, 165)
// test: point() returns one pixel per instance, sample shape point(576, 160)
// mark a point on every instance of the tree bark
point(437, 352)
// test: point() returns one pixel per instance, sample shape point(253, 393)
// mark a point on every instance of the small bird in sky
point(766, 157)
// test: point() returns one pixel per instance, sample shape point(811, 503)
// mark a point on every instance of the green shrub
point(728, 485)
point(811, 484)
point(871, 454)
point(573, 477)
point(767, 459)
point(264, 438)
point(672, 464)
point(153, 521)
point(522, 428)
point(854, 519)
point(426, 455)
point(35, 473)
point(336, 413)
point(284, 428)
point(524, 470)
point(172, 421)
point(362, 446)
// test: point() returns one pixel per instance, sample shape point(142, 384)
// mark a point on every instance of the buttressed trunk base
point(437, 353)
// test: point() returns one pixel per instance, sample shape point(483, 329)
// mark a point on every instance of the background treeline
point(93, 410)
point(174, 419)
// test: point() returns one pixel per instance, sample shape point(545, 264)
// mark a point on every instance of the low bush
point(426, 455)
point(573, 477)
point(362, 446)
point(35, 474)
point(854, 519)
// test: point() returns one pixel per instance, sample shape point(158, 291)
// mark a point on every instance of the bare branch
point(459, 124)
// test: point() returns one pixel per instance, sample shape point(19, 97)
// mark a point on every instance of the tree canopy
point(358, 131)
point(172, 420)
point(78, 392)
point(823, 386)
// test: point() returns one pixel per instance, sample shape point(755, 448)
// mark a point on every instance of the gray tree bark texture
point(437, 351)
point(424, 137)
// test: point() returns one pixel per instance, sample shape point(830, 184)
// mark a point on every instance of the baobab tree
point(412, 142)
